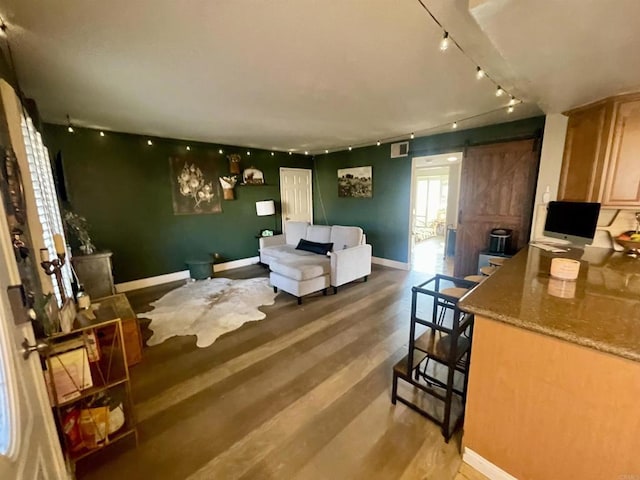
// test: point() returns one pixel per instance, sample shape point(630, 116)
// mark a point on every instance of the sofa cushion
point(314, 247)
point(282, 251)
point(302, 268)
point(319, 233)
point(345, 237)
point(295, 231)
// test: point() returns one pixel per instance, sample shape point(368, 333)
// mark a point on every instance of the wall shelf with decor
point(87, 377)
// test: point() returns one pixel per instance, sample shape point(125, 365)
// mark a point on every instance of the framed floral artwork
point(194, 186)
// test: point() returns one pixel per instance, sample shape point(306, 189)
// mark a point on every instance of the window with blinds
point(45, 198)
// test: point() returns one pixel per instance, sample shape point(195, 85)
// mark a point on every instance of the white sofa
point(300, 272)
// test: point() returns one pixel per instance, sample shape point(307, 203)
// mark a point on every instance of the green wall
point(122, 186)
point(385, 217)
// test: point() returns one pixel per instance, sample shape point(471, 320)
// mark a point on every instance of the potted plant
point(77, 228)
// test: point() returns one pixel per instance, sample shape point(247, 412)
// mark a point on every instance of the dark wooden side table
point(117, 306)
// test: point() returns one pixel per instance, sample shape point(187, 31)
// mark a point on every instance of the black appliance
point(500, 240)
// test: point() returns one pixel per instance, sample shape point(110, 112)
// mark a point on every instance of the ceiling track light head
point(412, 136)
point(444, 43)
point(454, 125)
point(499, 91)
point(480, 73)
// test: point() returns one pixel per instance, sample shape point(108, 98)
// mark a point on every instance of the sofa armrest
point(271, 241)
point(350, 264)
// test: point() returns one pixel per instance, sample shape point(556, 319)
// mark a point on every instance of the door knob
point(40, 347)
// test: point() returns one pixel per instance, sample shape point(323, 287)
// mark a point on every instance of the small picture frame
point(252, 176)
point(67, 315)
point(52, 314)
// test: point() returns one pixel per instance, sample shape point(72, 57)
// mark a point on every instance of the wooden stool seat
point(475, 278)
point(488, 270)
point(456, 292)
point(496, 261)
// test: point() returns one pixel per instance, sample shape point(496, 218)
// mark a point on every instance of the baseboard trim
point(151, 281)
point(243, 262)
point(484, 466)
point(181, 275)
point(385, 262)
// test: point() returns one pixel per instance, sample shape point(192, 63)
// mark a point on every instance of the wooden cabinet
point(117, 306)
point(622, 186)
point(601, 160)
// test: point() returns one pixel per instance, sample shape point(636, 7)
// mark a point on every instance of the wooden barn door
point(496, 190)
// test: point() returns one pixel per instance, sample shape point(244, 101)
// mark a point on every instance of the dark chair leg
point(299, 300)
point(394, 388)
point(335, 290)
point(324, 292)
point(446, 429)
point(365, 278)
point(275, 289)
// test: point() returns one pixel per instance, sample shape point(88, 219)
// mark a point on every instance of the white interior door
point(29, 445)
point(296, 195)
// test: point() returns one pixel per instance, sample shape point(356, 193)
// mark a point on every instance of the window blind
point(45, 198)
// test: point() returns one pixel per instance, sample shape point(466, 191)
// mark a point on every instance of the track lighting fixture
point(454, 125)
point(412, 136)
point(510, 109)
point(480, 73)
point(378, 143)
point(499, 91)
point(69, 126)
point(444, 43)
point(149, 142)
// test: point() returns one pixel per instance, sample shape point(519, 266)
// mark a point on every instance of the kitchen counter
point(601, 310)
point(553, 383)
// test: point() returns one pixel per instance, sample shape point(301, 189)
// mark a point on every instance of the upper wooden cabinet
point(602, 153)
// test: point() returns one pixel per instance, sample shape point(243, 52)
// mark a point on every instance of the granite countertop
point(600, 310)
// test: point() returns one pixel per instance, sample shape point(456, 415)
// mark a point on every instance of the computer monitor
point(574, 222)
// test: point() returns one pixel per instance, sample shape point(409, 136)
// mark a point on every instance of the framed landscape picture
point(355, 182)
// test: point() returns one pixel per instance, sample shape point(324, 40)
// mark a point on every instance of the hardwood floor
point(303, 394)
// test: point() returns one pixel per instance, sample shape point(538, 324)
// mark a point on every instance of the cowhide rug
point(208, 309)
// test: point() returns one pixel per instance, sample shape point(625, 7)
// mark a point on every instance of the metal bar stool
point(445, 345)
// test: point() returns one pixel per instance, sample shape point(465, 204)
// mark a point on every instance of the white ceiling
point(310, 74)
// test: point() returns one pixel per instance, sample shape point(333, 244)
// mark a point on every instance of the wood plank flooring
point(303, 394)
